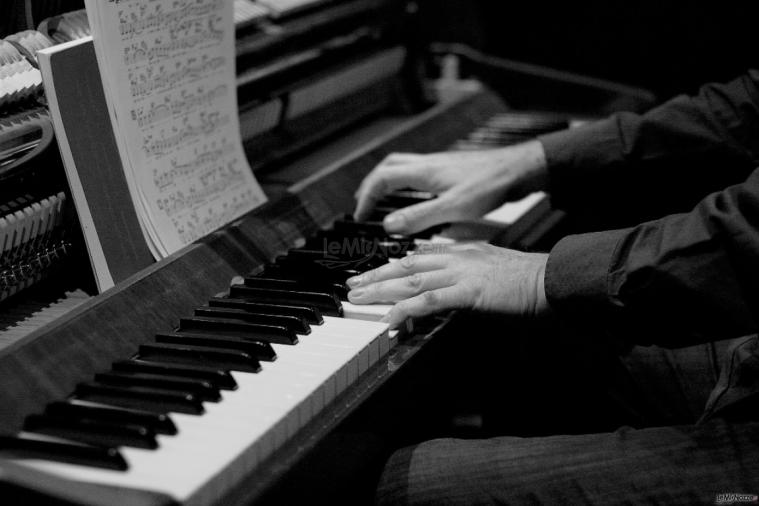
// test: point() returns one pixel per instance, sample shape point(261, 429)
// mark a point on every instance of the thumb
point(418, 217)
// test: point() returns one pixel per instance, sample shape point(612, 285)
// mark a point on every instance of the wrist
point(541, 308)
point(530, 158)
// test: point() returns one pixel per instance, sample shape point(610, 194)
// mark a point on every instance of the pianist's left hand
point(479, 277)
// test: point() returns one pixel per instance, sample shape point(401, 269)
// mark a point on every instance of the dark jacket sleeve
point(682, 279)
point(668, 159)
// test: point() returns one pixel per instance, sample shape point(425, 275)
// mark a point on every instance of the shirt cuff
point(576, 277)
point(577, 157)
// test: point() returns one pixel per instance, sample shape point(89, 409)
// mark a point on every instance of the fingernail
point(354, 281)
point(353, 294)
point(394, 222)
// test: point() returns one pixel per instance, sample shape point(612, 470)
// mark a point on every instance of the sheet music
point(168, 68)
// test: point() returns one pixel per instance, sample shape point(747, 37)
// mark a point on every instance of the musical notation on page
point(168, 71)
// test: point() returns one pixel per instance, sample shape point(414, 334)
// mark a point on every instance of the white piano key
point(510, 212)
point(368, 312)
point(249, 423)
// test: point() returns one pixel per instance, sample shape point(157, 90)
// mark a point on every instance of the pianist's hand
point(468, 184)
point(479, 277)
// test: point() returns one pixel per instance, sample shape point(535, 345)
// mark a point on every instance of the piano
point(207, 377)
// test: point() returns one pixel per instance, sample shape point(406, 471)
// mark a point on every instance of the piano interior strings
point(246, 333)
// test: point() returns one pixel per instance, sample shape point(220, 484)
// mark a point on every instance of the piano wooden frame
point(47, 364)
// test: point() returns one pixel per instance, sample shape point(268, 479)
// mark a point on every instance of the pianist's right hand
point(468, 184)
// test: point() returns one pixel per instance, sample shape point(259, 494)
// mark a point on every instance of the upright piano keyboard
point(204, 378)
point(144, 375)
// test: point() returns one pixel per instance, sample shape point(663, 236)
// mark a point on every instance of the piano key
point(217, 376)
point(348, 259)
point(148, 399)
point(327, 304)
point(246, 11)
point(296, 324)
point(359, 228)
point(400, 199)
point(204, 390)
point(92, 431)
point(158, 422)
point(368, 312)
point(252, 421)
point(240, 329)
point(322, 269)
point(281, 283)
point(258, 349)
point(199, 355)
point(63, 452)
point(308, 313)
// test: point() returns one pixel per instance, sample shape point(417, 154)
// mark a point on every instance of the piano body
point(326, 88)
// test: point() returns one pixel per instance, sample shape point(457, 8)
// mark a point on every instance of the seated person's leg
point(668, 465)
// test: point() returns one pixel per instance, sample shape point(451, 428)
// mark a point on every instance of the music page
point(168, 69)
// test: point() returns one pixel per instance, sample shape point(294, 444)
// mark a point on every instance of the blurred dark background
point(665, 46)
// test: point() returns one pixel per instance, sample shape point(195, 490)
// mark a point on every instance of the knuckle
point(431, 298)
point(369, 277)
point(414, 281)
point(408, 262)
point(401, 310)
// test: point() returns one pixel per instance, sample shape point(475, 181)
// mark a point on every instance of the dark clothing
point(688, 281)
point(687, 278)
point(659, 465)
point(671, 460)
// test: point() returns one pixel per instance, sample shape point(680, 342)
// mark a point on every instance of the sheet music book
point(168, 70)
point(111, 228)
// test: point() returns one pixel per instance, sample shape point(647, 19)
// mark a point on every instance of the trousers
point(668, 454)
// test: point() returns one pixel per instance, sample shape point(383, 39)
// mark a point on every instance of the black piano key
point(200, 388)
point(326, 303)
point(376, 230)
point(69, 453)
point(199, 355)
point(158, 422)
point(278, 283)
point(309, 314)
point(359, 228)
point(148, 399)
point(92, 431)
point(297, 325)
point(230, 328)
point(384, 209)
point(216, 375)
point(381, 247)
point(259, 349)
point(339, 258)
point(398, 200)
point(290, 268)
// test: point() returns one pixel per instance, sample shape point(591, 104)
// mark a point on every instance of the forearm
point(670, 153)
point(681, 280)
